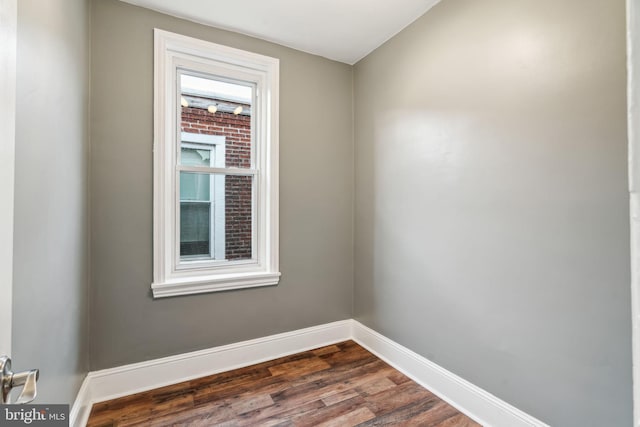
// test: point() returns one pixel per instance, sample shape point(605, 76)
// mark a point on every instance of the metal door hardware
point(10, 380)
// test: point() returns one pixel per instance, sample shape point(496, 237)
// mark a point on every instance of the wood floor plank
point(326, 350)
point(339, 385)
point(398, 397)
point(403, 414)
point(278, 413)
point(459, 420)
point(334, 398)
point(398, 377)
point(208, 414)
point(350, 419)
point(439, 415)
point(376, 386)
point(299, 368)
point(328, 413)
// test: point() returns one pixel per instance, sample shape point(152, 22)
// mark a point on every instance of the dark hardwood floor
point(339, 385)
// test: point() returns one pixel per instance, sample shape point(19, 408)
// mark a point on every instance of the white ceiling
point(343, 30)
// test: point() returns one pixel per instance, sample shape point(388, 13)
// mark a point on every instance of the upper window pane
point(215, 107)
point(192, 156)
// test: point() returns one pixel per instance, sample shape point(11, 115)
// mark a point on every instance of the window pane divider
point(225, 171)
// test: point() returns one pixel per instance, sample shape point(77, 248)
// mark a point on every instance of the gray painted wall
point(316, 168)
point(491, 215)
point(51, 206)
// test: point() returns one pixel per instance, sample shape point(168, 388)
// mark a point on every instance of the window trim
point(172, 52)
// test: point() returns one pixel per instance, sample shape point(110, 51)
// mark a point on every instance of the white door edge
point(633, 117)
point(8, 40)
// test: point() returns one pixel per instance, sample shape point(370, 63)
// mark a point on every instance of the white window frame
point(171, 276)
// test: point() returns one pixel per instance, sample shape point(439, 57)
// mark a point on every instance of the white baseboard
point(129, 379)
point(117, 382)
point(469, 399)
point(79, 413)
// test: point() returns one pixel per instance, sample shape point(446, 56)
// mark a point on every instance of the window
point(215, 167)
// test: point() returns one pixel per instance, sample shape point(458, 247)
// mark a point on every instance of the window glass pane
point(195, 233)
point(238, 208)
point(215, 107)
point(195, 157)
point(216, 216)
point(195, 186)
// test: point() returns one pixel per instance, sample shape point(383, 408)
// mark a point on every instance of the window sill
point(200, 285)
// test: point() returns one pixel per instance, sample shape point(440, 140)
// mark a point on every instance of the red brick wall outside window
point(237, 132)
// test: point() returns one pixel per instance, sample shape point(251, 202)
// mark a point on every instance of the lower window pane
point(195, 229)
point(216, 217)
